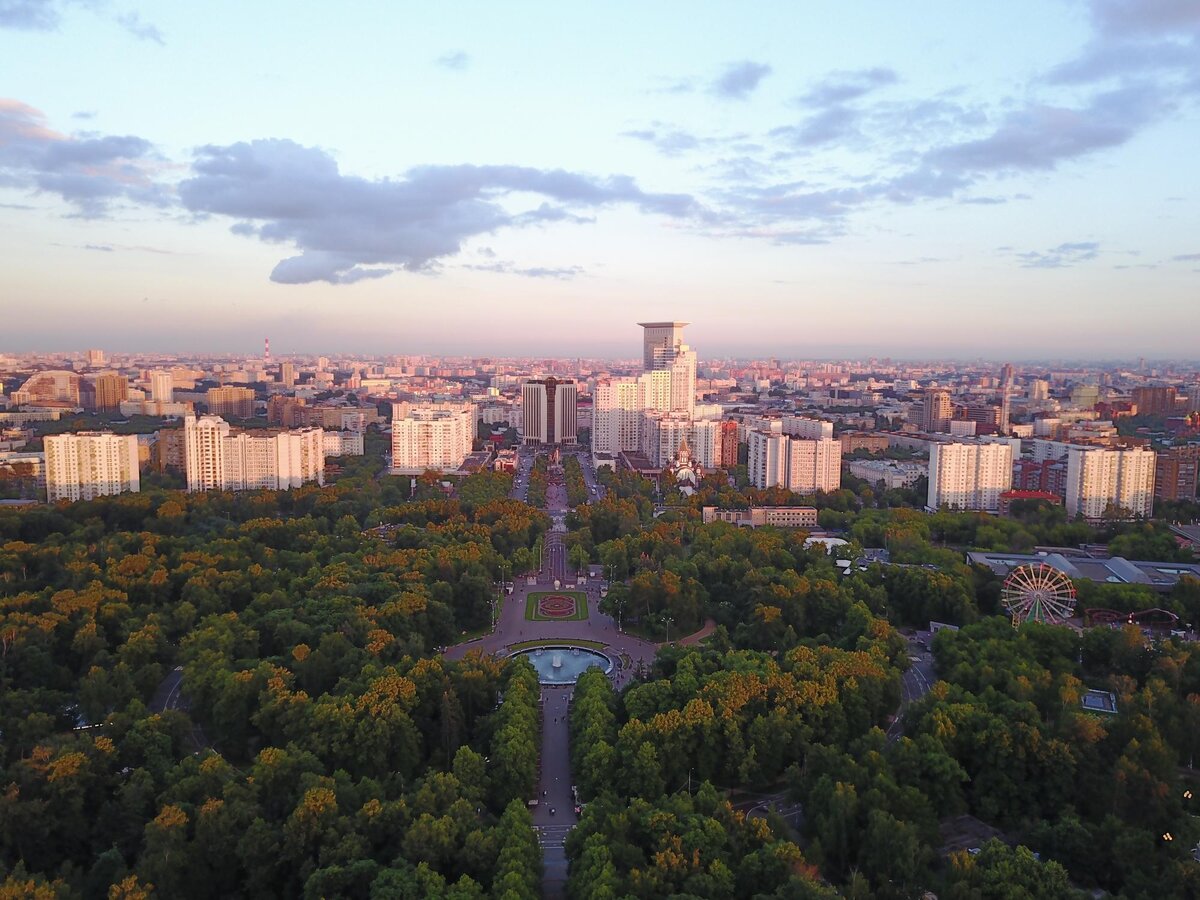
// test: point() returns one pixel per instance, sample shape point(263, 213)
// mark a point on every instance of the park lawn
point(556, 642)
point(531, 606)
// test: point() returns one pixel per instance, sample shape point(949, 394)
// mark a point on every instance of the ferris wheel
point(1038, 593)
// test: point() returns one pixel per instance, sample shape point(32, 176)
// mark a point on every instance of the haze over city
point(1005, 180)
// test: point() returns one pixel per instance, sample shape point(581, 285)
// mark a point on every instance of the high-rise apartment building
point(969, 475)
point(659, 340)
point(235, 402)
point(1175, 473)
point(936, 411)
point(1006, 387)
point(162, 387)
point(549, 411)
point(729, 445)
point(431, 436)
point(111, 389)
point(289, 412)
point(1039, 390)
point(662, 433)
point(217, 459)
point(800, 465)
point(806, 428)
point(1193, 399)
point(287, 373)
point(1101, 479)
point(663, 350)
point(54, 385)
point(95, 358)
point(1154, 401)
point(90, 464)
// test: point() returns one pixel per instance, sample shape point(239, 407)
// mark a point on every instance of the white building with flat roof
point(1099, 478)
point(800, 465)
point(215, 459)
point(90, 464)
point(427, 436)
point(968, 475)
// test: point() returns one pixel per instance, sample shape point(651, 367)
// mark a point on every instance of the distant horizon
point(1013, 182)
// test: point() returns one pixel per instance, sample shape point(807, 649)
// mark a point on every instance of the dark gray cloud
point(455, 60)
point(347, 228)
point(841, 87)
point(740, 79)
point(143, 31)
point(1060, 257)
point(87, 170)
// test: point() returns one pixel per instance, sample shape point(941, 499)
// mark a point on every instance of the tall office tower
point(1006, 387)
point(287, 373)
point(1039, 389)
point(162, 387)
point(431, 436)
point(548, 411)
point(1099, 478)
point(95, 358)
point(937, 411)
point(969, 476)
point(798, 464)
point(1154, 401)
point(236, 402)
point(659, 340)
point(90, 464)
point(111, 390)
point(204, 452)
point(1175, 473)
point(729, 444)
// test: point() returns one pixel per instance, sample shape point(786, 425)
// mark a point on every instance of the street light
point(669, 622)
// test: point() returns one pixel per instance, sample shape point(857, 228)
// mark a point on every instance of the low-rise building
point(756, 516)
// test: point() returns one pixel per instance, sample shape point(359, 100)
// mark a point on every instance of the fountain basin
point(555, 666)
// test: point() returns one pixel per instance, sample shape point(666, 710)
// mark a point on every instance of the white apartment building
point(90, 464)
point(430, 436)
point(806, 428)
point(216, 460)
point(800, 465)
point(663, 433)
point(969, 476)
point(342, 443)
point(162, 386)
point(1098, 477)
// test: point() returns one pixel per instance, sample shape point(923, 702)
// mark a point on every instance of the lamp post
point(668, 621)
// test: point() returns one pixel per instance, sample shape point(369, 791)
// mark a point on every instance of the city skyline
point(801, 187)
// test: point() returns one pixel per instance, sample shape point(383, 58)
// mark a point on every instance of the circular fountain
point(555, 666)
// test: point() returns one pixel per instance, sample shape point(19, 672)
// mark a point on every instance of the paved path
point(554, 814)
point(914, 684)
point(696, 637)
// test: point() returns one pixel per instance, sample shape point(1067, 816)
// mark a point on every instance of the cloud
point(1186, 257)
point(1132, 38)
point(1060, 257)
point(455, 60)
point(282, 192)
point(87, 170)
point(667, 140)
point(840, 87)
point(740, 79)
point(103, 248)
point(1040, 136)
point(29, 15)
point(143, 31)
point(825, 127)
point(564, 273)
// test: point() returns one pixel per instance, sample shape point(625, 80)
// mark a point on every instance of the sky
point(809, 180)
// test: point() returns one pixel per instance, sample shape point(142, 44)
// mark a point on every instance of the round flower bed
point(556, 606)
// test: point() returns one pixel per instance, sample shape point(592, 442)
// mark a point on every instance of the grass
point(531, 606)
point(556, 642)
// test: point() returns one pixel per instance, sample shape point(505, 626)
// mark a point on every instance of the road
point(595, 488)
point(554, 815)
point(915, 683)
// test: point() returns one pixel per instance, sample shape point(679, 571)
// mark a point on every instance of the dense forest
point(223, 695)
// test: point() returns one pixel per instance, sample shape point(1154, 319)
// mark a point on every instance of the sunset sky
point(998, 179)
